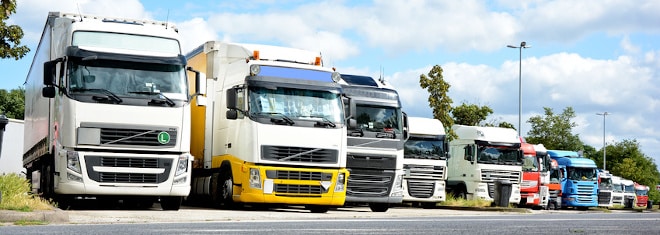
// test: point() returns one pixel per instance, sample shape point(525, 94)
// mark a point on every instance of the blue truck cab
point(579, 181)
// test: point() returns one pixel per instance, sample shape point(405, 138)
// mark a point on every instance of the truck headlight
point(73, 162)
point(182, 166)
point(397, 190)
point(341, 180)
point(255, 178)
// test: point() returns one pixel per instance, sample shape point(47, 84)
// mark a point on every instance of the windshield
point(530, 164)
point(499, 155)
point(555, 175)
point(299, 104)
point(629, 189)
point(617, 188)
point(418, 148)
point(582, 174)
point(605, 183)
point(127, 79)
point(641, 192)
point(378, 118)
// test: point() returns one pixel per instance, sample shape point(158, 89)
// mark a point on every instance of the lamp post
point(523, 44)
point(604, 149)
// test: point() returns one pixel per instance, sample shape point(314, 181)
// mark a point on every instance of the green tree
point(470, 114)
point(626, 159)
point(439, 101)
point(506, 125)
point(10, 35)
point(554, 131)
point(12, 103)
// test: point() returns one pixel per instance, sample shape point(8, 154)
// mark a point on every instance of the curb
point(51, 216)
point(500, 209)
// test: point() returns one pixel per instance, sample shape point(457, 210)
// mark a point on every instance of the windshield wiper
point(325, 121)
point(282, 120)
point(109, 94)
point(390, 135)
point(165, 99)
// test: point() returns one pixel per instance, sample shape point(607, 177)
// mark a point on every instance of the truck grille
point(299, 190)
point(127, 178)
point(136, 137)
point(369, 183)
point(421, 179)
point(298, 154)
point(585, 193)
point(298, 175)
point(427, 172)
point(421, 188)
point(128, 162)
point(491, 176)
point(604, 197)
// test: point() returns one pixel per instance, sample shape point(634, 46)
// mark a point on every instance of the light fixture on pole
point(604, 149)
point(523, 44)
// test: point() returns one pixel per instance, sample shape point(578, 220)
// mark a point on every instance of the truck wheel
point(317, 208)
point(460, 193)
point(551, 206)
point(429, 205)
point(379, 207)
point(225, 189)
point(171, 203)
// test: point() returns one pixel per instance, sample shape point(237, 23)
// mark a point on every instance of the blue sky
point(592, 55)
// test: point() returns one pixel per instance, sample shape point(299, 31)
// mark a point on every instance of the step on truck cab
point(482, 157)
point(375, 142)
point(580, 181)
point(425, 162)
point(273, 132)
point(107, 112)
point(605, 188)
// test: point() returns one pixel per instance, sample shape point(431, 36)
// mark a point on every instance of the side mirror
point(468, 153)
point(406, 134)
point(200, 86)
point(48, 92)
point(232, 114)
point(231, 98)
point(352, 123)
point(49, 72)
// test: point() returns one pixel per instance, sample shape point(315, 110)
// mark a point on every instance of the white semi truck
point(617, 191)
point(425, 162)
point(273, 131)
point(481, 158)
point(375, 143)
point(107, 112)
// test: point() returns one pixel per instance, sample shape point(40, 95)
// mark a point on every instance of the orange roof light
point(317, 62)
point(255, 55)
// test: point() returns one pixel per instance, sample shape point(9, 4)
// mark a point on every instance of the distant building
point(11, 160)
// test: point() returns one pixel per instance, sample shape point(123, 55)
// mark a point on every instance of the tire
point(317, 208)
point(171, 203)
point(460, 192)
point(379, 207)
point(429, 205)
point(226, 187)
point(551, 206)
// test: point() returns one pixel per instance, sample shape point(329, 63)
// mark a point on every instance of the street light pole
point(523, 44)
point(604, 149)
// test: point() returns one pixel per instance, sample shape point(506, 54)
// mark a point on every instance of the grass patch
point(453, 201)
point(16, 195)
point(30, 222)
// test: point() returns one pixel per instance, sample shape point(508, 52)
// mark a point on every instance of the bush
point(453, 201)
point(16, 195)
